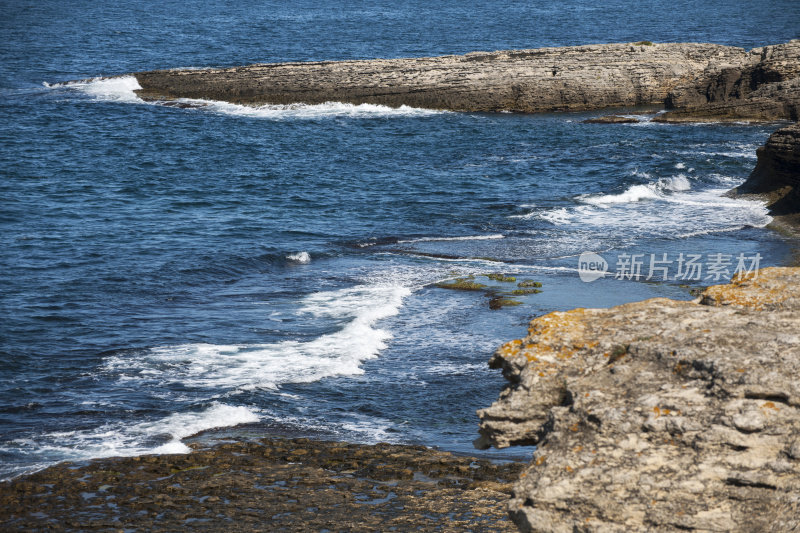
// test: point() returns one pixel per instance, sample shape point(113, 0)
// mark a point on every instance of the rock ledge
point(658, 415)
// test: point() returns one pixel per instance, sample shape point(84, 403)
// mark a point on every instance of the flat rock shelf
point(269, 484)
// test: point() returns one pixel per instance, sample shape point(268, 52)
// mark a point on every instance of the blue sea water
point(167, 271)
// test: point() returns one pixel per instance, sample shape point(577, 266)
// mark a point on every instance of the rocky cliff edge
point(659, 415)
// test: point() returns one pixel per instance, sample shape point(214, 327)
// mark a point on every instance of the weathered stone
point(764, 86)
point(610, 119)
point(776, 178)
point(546, 79)
point(267, 485)
point(658, 415)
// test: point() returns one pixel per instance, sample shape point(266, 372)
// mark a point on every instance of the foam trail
point(119, 89)
point(250, 366)
point(309, 111)
point(120, 440)
point(467, 238)
point(640, 211)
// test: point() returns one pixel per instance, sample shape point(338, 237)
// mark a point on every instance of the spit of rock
point(660, 415)
point(546, 79)
point(268, 484)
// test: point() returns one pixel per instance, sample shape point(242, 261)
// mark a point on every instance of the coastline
point(437, 488)
point(660, 414)
point(267, 484)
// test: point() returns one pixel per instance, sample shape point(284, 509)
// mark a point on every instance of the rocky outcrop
point(776, 177)
point(765, 86)
point(660, 415)
point(547, 79)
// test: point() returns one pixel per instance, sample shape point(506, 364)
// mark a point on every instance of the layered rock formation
point(659, 415)
point(548, 79)
point(699, 81)
point(765, 86)
point(776, 177)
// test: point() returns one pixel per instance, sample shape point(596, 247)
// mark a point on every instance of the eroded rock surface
point(765, 86)
point(266, 485)
point(547, 79)
point(776, 177)
point(659, 415)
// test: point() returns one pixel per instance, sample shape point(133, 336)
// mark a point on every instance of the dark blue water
point(166, 270)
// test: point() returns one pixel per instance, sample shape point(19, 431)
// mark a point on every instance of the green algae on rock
point(500, 302)
point(502, 278)
point(461, 284)
point(525, 292)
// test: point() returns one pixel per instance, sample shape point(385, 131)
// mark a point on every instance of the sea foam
point(120, 439)
point(122, 89)
point(251, 366)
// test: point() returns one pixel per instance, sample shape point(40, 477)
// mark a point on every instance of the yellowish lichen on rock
point(767, 288)
point(558, 334)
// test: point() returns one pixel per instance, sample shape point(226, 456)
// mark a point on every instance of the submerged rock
point(610, 119)
point(659, 415)
point(501, 301)
point(502, 278)
point(461, 284)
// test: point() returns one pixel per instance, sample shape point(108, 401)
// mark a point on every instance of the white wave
point(681, 214)
point(299, 257)
point(308, 111)
point(680, 166)
point(708, 231)
point(558, 216)
point(118, 89)
point(726, 181)
point(121, 89)
point(748, 153)
point(641, 174)
point(467, 238)
point(120, 439)
point(250, 366)
point(637, 193)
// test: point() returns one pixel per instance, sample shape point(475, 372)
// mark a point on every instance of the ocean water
point(167, 271)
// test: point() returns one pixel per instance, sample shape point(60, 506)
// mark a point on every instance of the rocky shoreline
point(659, 415)
point(693, 82)
point(267, 484)
point(776, 178)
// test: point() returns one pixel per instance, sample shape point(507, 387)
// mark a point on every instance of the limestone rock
point(547, 79)
point(659, 415)
point(764, 86)
point(776, 177)
point(610, 119)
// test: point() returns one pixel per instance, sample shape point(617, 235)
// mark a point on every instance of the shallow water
point(169, 270)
